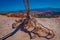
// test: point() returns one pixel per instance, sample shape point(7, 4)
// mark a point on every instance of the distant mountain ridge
point(46, 9)
point(38, 9)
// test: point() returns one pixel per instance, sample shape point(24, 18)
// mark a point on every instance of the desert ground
point(6, 28)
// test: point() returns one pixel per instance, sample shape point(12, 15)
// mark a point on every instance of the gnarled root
point(42, 31)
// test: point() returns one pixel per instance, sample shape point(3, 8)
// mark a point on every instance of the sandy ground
point(6, 28)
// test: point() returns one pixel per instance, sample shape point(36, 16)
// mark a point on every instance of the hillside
point(6, 27)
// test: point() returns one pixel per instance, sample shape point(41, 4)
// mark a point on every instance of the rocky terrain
point(6, 28)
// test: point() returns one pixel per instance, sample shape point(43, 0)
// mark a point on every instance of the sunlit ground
point(6, 27)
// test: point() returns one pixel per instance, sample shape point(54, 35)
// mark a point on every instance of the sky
point(16, 5)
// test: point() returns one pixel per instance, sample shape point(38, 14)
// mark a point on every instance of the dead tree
point(27, 23)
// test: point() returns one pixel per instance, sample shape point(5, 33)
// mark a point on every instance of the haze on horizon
point(16, 5)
